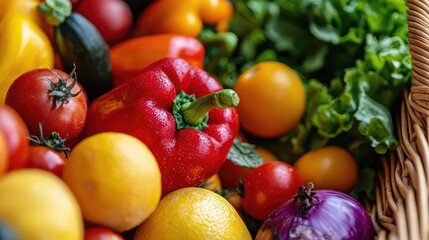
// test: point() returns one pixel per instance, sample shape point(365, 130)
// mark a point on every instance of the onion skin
point(335, 216)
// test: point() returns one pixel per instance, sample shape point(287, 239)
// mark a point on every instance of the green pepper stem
point(55, 11)
point(194, 112)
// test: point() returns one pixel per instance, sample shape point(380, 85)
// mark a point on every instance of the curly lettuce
point(354, 59)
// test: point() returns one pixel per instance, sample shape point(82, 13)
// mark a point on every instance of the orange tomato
point(163, 16)
point(272, 99)
point(330, 167)
point(265, 154)
point(215, 11)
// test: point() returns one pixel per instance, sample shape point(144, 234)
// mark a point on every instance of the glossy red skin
point(231, 175)
point(268, 186)
point(47, 159)
point(101, 233)
point(29, 96)
point(16, 133)
point(75, 3)
point(112, 18)
point(141, 107)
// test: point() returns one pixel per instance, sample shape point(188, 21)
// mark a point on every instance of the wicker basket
point(401, 208)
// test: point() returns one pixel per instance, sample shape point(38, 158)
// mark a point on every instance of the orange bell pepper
point(131, 56)
point(185, 17)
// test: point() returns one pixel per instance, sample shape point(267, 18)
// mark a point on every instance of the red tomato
point(47, 159)
point(112, 18)
point(101, 233)
point(231, 174)
point(268, 186)
point(31, 95)
point(16, 134)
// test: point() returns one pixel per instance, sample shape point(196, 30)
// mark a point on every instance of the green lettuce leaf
point(354, 59)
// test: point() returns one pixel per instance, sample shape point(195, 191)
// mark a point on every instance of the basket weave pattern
point(401, 208)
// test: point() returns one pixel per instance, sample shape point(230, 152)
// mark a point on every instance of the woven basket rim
point(401, 209)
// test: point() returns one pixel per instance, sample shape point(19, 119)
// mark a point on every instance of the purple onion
point(318, 214)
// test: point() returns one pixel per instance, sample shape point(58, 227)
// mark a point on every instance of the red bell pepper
point(189, 138)
point(130, 56)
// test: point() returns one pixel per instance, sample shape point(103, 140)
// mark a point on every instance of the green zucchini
point(79, 43)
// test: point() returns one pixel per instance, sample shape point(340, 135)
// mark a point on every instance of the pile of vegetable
point(196, 119)
point(354, 59)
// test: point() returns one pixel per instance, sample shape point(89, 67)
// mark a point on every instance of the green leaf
point(335, 117)
point(376, 124)
point(364, 188)
point(249, 45)
point(317, 95)
point(244, 154)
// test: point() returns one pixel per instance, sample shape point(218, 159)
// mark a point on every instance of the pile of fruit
point(196, 119)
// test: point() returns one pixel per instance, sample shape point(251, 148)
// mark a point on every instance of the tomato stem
point(53, 141)
point(305, 200)
point(59, 90)
point(194, 113)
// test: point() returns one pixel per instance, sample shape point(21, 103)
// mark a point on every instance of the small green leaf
point(365, 185)
point(244, 154)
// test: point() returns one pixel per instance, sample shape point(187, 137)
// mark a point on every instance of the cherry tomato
point(330, 167)
point(272, 99)
point(47, 159)
point(231, 175)
point(101, 233)
point(267, 186)
point(16, 133)
point(112, 18)
point(32, 96)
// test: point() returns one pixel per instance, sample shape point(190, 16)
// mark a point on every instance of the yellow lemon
point(36, 204)
point(193, 213)
point(115, 178)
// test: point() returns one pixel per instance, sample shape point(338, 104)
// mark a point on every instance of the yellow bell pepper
point(23, 47)
point(29, 8)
